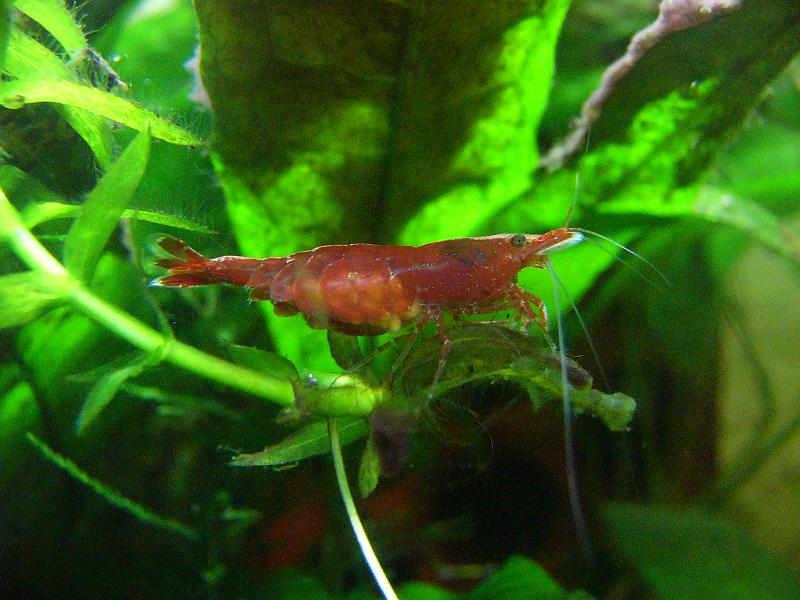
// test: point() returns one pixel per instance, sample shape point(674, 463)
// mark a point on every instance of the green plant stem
point(355, 521)
point(138, 511)
point(36, 256)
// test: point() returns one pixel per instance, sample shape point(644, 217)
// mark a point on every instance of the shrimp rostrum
point(368, 289)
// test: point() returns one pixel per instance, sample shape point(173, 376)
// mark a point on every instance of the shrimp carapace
point(367, 289)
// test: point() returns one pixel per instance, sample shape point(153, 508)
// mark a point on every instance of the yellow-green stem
point(36, 256)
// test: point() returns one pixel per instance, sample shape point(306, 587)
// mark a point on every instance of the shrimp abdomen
point(189, 268)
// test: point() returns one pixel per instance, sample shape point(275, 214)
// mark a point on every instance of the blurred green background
point(408, 121)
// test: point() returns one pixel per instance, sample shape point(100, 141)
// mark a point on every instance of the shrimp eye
point(519, 241)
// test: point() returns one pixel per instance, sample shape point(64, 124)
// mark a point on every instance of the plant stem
point(355, 522)
point(36, 256)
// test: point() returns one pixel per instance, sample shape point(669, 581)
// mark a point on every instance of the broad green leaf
point(15, 94)
point(56, 19)
point(23, 296)
point(103, 392)
point(19, 412)
point(103, 207)
point(483, 155)
point(29, 59)
point(5, 30)
point(686, 555)
point(369, 470)
point(263, 362)
point(293, 584)
point(518, 579)
point(755, 220)
point(42, 212)
point(136, 510)
point(311, 440)
point(345, 350)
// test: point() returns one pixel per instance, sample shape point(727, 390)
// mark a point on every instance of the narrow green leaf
point(686, 555)
point(103, 392)
point(159, 218)
point(42, 212)
point(263, 362)
point(56, 19)
point(369, 470)
point(103, 207)
point(16, 94)
point(23, 296)
point(23, 188)
point(179, 404)
point(311, 440)
point(27, 59)
point(113, 497)
point(345, 350)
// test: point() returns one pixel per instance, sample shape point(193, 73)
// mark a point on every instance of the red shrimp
point(367, 289)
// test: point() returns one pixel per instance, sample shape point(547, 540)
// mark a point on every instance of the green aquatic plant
point(386, 122)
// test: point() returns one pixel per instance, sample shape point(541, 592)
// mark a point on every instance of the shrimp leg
point(446, 346)
point(412, 338)
point(523, 300)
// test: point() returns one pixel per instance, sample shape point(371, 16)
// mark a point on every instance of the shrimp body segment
point(367, 289)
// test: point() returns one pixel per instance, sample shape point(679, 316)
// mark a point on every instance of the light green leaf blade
point(5, 29)
point(263, 362)
point(487, 162)
point(103, 207)
point(369, 470)
point(685, 555)
point(755, 220)
point(103, 392)
point(345, 350)
point(311, 440)
point(42, 212)
point(23, 296)
point(160, 218)
point(28, 59)
point(55, 18)
point(15, 94)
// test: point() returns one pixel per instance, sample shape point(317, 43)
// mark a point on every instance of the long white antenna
point(569, 446)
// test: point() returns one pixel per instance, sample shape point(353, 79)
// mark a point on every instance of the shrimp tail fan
point(187, 268)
